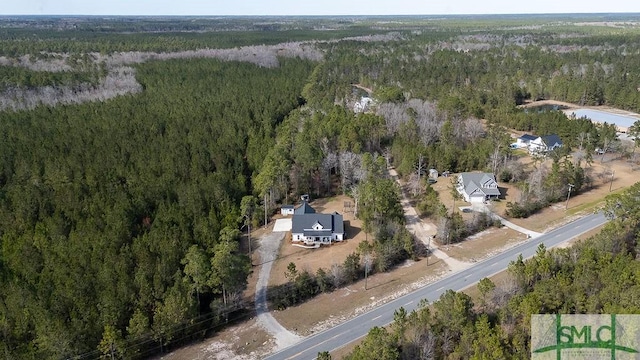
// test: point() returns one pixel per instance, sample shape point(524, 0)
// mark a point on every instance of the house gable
point(552, 141)
point(545, 143)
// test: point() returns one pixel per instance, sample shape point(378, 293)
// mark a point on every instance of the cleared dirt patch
point(443, 188)
point(245, 341)
point(484, 244)
point(325, 256)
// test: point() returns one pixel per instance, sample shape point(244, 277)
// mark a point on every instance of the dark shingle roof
point(551, 140)
point(528, 137)
point(474, 181)
point(338, 223)
point(305, 208)
point(302, 222)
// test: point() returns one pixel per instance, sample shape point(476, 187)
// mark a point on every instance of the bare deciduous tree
point(536, 182)
point(337, 275)
point(118, 82)
point(423, 112)
point(443, 230)
point(474, 129)
point(350, 169)
point(414, 184)
point(427, 343)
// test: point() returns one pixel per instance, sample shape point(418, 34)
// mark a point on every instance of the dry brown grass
point(443, 188)
point(323, 257)
point(335, 307)
point(585, 202)
point(484, 244)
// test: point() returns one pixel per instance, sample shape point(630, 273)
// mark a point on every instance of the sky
point(310, 7)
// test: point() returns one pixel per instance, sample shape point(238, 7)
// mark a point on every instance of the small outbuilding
point(287, 210)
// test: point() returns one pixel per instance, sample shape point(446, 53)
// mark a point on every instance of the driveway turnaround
point(359, 326)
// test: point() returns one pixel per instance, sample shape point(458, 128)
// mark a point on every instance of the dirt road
point(425, 230)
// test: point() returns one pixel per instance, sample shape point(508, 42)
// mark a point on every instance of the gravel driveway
point(268, 251)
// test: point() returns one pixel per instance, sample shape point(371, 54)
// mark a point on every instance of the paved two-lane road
point(359, 326)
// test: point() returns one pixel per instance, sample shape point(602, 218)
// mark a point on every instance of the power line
point(174, 329)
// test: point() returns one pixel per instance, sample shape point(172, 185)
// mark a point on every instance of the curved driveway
point(268, 250)
point(359, 326)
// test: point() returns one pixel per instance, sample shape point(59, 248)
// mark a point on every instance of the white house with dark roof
point(312, 228)
point(477, 187)
point(544, 144)
point(524, 140)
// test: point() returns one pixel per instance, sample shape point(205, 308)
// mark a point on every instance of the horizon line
point(329, 15)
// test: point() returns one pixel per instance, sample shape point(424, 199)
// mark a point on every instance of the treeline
point(119, 220)
point(116, 82)
point(13, 41)
point(51, 79)
point(596, 276)
point(484, 71)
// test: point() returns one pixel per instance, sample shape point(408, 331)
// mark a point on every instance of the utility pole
point(611, 183)
point(247, 223)
point(429, 249)
point(419, 169)
point(566, 206)
point(265, 208)
point(366, 272)
point(367, 265)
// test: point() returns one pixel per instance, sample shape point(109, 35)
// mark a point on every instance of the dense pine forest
point(132, 152)
point(102, 202)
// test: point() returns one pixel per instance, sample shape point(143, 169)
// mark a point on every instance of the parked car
point(600, 151)
point(467, 210)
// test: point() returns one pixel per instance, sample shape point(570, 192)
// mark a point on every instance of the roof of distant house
point(287, 206)
point(528, 137)
point(551, 140)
